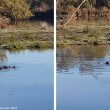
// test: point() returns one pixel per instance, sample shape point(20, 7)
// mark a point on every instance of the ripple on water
point(84, 61)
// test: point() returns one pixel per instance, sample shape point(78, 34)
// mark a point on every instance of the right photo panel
point(83, 54)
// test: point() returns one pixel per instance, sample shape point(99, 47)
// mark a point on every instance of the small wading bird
point(7, 67)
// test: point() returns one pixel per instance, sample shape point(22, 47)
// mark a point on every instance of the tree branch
point(75, 12)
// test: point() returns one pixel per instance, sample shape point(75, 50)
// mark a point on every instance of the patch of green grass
point(76, 38)
point(24, 39)
point(94, 35)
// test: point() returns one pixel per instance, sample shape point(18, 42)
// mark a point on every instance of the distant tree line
point(49, 2)
point(94, 3)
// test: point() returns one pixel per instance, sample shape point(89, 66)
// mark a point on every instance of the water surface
point(30, 85)
point(83, 78)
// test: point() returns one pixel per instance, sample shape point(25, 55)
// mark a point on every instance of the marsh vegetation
point(83, 22)
point(26, 24)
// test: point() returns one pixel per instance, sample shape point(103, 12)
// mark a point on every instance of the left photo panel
point(26, 54)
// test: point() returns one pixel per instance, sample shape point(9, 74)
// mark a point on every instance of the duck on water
point(7, 67)
point(107, 63)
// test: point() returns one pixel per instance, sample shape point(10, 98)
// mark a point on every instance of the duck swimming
point(108, 62)
point(7, 67)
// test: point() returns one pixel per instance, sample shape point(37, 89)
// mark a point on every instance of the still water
point(30, 85)
point(83, 78)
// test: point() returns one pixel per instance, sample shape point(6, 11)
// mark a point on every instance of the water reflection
point(83, 83)
point(3, 56)
point(3, 53)
point(86, 60)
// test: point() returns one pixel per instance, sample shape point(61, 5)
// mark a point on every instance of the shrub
point(15, 9)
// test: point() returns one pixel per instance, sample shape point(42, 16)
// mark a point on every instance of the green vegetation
point(22, 39)
point(83, 22)
point(17, 31)
point(80, 35)
point(15, 9)
point(20, 9)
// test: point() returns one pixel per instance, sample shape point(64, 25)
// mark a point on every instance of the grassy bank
point(83, 35)
point(16, 39)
